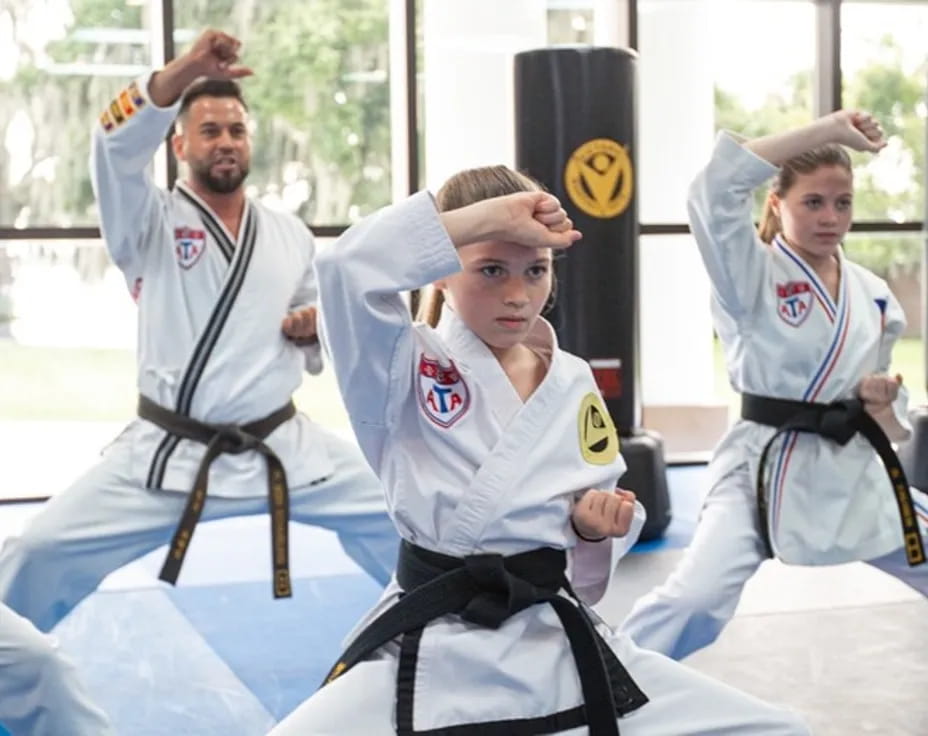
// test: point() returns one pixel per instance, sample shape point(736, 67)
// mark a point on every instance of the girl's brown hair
point(464, 188)
point(804, 163)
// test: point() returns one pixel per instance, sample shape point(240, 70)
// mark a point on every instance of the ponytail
point(769, 224)
point(431, 300)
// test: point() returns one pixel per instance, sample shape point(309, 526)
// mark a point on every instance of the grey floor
point(845, 646)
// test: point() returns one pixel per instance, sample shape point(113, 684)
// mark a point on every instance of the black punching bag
point(575, 111)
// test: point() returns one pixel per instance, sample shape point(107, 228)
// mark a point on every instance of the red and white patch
point(794, 302)
point(443, 395)
point(189, 245)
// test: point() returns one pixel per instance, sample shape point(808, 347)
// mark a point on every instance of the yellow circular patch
point(599, 442)
point(598, 177)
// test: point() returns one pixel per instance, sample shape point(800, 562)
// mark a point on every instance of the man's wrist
point(583, 536)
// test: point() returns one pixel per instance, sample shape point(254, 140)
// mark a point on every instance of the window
point(740, 65)
point(896, 257)
point(884, 73)
point(570, 22)
point(60, 64)
point(319, 100)
point(67, 351)
point(704, 65)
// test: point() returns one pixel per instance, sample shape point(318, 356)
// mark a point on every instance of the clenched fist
point(599, 514)
point(878, 391)
point(214, 54)
point(300, 326)
point(856, 129)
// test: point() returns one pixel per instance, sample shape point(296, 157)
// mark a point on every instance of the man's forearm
point(167, 85)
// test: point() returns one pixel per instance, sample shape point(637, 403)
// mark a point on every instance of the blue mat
point(215, 660)
point(280, 649)
point(685, 485)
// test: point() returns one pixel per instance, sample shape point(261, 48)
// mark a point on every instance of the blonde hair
point(804, 163)
point(464, 188)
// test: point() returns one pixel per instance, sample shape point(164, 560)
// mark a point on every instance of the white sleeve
point(719, 207)
point(124, 141)
point(307, 295)
point(592, 564)
point(366, 325)
point(893, 327)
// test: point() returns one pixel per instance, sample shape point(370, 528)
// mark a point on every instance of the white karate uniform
point(785, 337)
point(210, 347)
point(470, 468)
point(40, 692)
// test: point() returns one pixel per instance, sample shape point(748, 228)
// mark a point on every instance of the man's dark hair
point(210, 88)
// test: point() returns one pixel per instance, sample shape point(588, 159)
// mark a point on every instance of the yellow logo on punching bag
point(598, 177)
point(599, 442)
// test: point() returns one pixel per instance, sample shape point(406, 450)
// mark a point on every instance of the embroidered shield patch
point(599, 442)
point(189, 245)
point(443, 395)
point(794, 302)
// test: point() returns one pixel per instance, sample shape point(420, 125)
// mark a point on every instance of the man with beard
point(226, 295)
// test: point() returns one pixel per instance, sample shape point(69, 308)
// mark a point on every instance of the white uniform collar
point(472, 355)
point(830, 304)
point(454, 332)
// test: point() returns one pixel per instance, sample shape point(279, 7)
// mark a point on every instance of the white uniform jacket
point(210, 309)
point(785, 337)
point(468, 467)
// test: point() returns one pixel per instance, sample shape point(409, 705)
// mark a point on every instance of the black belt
point(486, 590)
point(838, 421)
point(228, 439)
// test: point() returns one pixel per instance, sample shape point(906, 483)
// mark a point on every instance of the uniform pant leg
point(40, 692)
point(100, 523)
point(362, 702)
point(895, 563)
point(690, 609)
point(683, 702)
point(351, 503)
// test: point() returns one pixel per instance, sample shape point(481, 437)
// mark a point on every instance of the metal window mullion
point(924, 290)
point(412, 97)
point(632, 22)
point(403, 154)
point(168, 52)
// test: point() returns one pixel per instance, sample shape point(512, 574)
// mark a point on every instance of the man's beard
point(223, 183)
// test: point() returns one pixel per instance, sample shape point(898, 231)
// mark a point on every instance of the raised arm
point(719, 205)
point(366, 325)
point(720, 200)
point(851, 128)
point(129, 132)
point(532, 219)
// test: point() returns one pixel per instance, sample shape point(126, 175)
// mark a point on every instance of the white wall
point(468, 67)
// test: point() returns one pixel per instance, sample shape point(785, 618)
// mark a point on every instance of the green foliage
point(895, 96)
point(319, 96)
point(320, 99)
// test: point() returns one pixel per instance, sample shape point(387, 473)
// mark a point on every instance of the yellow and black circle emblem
point(598, 177)
point(599, 442)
